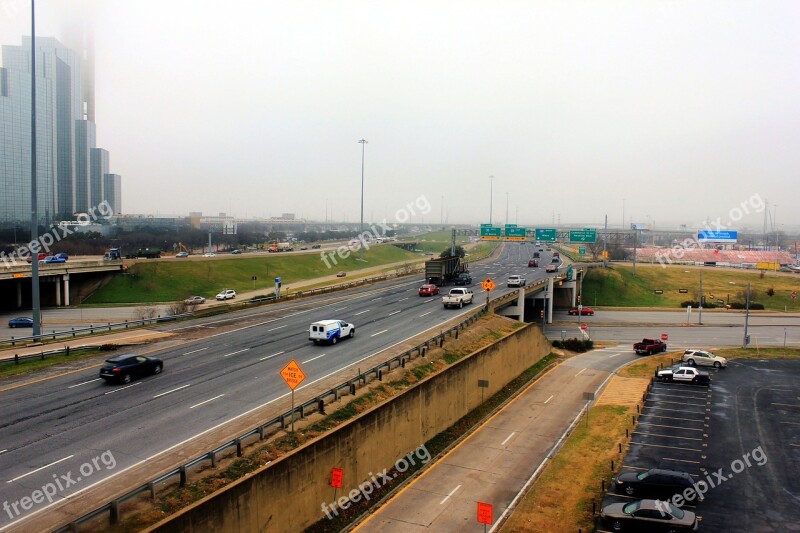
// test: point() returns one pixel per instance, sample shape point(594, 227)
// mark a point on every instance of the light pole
point(491, 184)
point(700, 302)
point(746, 339)
point(363, 145)
point(36, 312)
point(506, 209)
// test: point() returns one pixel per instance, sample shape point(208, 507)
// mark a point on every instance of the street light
point(491, 198)
point(363, 145)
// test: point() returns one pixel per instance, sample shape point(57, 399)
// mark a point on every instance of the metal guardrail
point(72, 332)
point(316, 404)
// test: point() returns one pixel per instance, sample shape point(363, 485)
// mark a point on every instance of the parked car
point(703, 358)
point(330, 331)
point(53, 259)
point(182, 254)
point(21, 322)
point(551, 268)
point(125, 368)
point(583, 311)
point(533, 263)
point(654, 483)
point(685, 374)
point(194, 300)
point(428, 290)
point(647, 515)
point(226, 294)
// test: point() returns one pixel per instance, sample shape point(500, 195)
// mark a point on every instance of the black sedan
point(654, 483)
point(21, 322)
point(126, 368)
point(647, 515)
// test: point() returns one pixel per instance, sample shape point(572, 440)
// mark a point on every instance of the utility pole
point(605, 237)
point(635, 233)
point(700, 303)
point(36, 311)
point(491, 198)
point(746, 339)
point(361, 231)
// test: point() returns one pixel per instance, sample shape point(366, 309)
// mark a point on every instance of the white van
point(330, 331)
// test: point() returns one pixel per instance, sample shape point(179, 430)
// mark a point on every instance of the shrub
point(695, 304)
point(575, 345)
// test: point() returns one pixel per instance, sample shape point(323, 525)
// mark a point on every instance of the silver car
point(703, 358)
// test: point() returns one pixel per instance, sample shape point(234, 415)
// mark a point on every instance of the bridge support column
point(549, 301)
point(66, 289)
point(57, 285)
point(19, 295)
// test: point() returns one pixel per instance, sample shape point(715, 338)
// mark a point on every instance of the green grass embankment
point(165, 281)
point(617, 287)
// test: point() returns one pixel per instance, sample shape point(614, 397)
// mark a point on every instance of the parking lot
point(739, 438)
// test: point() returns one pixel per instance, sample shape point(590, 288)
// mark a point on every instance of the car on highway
point(649, 346)
point(21, 322)
point(462, 279)
point(428, 290)
point(194, 300)
point(182, 254)
point(582, 311)
point(551, 268)
point(533, 263)
point(555, 260)
point(316, 246)
point(226, 294)
point(330, 331)
point(209, 254)
point(647, 515)
point(659, 483)
point(703, 358)
point(126, 368)
point(341, 274)
point(62, 255)
point(516, 280)
point(53, 259)
point(39, 257)
point(236, 251)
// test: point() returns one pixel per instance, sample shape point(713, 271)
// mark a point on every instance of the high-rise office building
point(70, 169)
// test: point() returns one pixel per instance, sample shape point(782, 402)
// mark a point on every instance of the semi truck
point(147, 252)
point(280, 247)
point(445, 270)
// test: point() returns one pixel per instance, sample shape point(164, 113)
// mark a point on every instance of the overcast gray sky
point(254, 108)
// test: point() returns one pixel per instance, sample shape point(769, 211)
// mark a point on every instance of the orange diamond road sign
point(488, 285)
point(292, 374)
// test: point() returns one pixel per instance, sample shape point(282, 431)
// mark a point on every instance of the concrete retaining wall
point(287, 495)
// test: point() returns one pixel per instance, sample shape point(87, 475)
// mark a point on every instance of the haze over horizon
point(673, 113)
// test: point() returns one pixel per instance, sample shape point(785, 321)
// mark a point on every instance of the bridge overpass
point(527, 303)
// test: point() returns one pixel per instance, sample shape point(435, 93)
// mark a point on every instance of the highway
point(56, 427)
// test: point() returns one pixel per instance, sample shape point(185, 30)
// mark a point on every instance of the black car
point(125, 368)
point(647, 515)
point(654, 483)
point(462, 279)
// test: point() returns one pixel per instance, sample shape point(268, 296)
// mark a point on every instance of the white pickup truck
point(515, 281)
point(457, 297)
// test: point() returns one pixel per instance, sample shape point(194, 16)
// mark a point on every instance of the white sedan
point(226, 294)
point(703, 358)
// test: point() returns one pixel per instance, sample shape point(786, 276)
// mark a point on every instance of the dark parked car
point(125, 368)
point(21, 322)
point(654, 483)
point(647, 515)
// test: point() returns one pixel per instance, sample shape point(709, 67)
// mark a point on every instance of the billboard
point(707, 235)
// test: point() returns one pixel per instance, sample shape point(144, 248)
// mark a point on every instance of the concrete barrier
point(287, 495)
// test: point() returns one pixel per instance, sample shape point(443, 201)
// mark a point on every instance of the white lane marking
point(785, 404)
point(579, 373)
point(270, 356)
point(121, 388)
point(508, 438)
point(448, 496)
point(401, 299)
point(423, 314)
point(312, 359)
point(195, 351)
point(84, 383)
point(378, 298)
point(4, 451)
point(341, 308)
point(395, 312)
point(375, 334)
point(550, 398)
point(209, 400)
point(361, 312)
point(40, 468)
point(279, 327)
point(431, 300)
point(170, 391)
point(614, 355)
point(234, 353)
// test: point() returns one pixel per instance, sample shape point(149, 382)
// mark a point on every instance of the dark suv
point(462, 279)
point(655, 483)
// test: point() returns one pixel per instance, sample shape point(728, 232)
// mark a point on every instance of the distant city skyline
point(673, 111)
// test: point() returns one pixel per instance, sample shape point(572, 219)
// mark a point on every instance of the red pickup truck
point(649, 347)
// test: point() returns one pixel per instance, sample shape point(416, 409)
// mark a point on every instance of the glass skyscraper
point(71, 171)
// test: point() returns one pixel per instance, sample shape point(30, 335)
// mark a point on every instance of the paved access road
point(54, 427)
point(494, 463)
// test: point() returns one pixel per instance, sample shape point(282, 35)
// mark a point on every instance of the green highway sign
point(491, 233)
point(546, 234)
point(583, 235)
point(581, 249)
point(513, 233)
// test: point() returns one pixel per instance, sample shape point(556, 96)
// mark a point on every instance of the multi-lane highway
point(56, 427)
